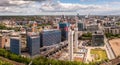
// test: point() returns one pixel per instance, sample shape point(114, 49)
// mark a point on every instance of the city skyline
point(59, 7)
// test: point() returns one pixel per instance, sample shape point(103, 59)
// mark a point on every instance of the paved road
point(109, 50)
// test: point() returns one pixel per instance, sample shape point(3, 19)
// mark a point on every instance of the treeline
point(39, 60)
point(3, 27)
point(4, 63)
point(110, 35)
point(46, 61)
point(14, 57)
point(86, 36)
point(21, 18)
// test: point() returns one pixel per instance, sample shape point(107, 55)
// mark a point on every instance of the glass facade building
point(15, 46)
point(64, 30)
point(97, 39)
point(33, 44)
point(80, 26)
point(50, 37)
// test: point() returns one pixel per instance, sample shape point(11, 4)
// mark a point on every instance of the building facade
point(80, 26)
point(92, 27)
point(33, 43)
point(97, 39)
point(15, 45)
point(113, 30)
point(50, 37)
point(64, 30)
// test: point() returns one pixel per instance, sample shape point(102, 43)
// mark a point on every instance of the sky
point(59, 7)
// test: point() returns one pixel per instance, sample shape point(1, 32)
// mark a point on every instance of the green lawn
point(98, 54)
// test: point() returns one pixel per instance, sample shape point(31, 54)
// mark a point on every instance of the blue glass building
point(33, 43)
point(15, 46)
point(50, 37)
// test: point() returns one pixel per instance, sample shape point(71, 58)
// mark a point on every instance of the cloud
point(48, 6)
point(17, 2)
point(13, 2)
point(68, 7)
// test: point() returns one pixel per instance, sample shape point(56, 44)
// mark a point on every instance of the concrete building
point(23, 39)
point(107, 29)
point(92, 27)
point(6, 38)
point(76, 39)
point(33, 43)
point(70, 45)
point(1, 41)
point(97, 39)
point(34, 27)
point(50, 37)
point(112, 30)
point(6, 42)
point(76, 36)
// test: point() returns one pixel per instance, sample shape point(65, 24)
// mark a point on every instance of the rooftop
point(33, 34)
point(98, 33)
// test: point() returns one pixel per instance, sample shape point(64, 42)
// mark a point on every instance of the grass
point(99, 54)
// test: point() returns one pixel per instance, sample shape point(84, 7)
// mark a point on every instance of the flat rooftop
point(33, 34)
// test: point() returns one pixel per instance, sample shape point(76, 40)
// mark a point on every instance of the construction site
point(115, 44)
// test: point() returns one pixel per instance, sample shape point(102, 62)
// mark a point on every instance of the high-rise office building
point(15, 44)
point(50, 37)
point(25, 43)
point(33, 43)
point(64, 30)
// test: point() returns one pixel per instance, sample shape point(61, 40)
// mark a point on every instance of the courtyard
point(98, 54)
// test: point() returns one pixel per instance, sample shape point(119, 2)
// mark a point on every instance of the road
point(109, 50)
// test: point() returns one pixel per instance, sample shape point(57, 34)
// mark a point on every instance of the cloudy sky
point(48, 7)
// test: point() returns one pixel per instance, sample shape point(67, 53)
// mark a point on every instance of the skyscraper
point(70, 44)
point(64, 30)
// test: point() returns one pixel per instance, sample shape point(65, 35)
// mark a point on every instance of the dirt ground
point(115, 44)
